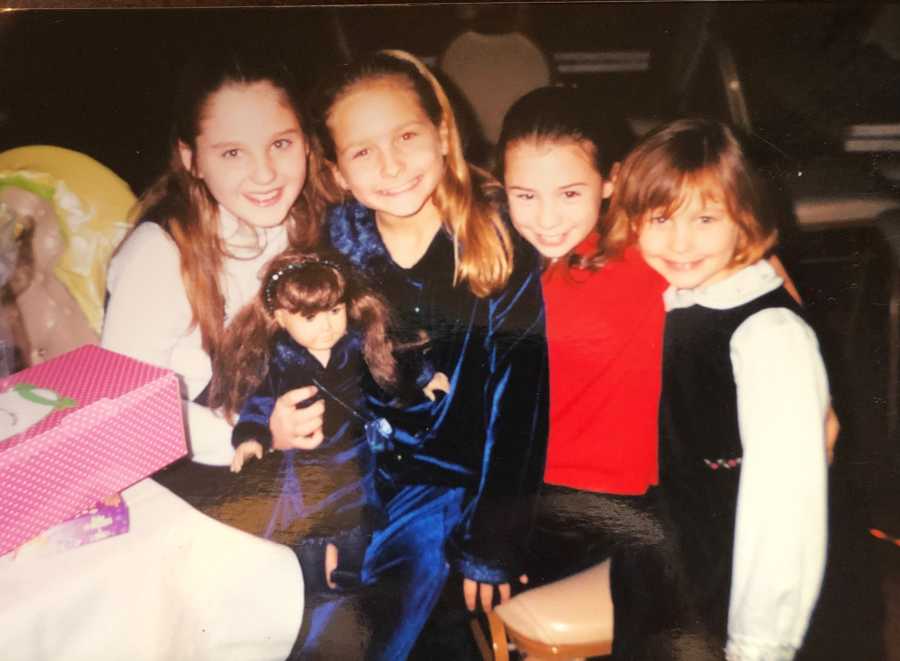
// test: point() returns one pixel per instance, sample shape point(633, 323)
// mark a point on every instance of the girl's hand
point(486, 593)
point(331, 563)
point(438, 382)
point(832, 429)
point(243, 452)
point(297, 428)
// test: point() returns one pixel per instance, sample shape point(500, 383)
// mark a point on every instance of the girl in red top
point(557, 158)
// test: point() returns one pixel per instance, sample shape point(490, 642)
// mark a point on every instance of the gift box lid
point(37, 399)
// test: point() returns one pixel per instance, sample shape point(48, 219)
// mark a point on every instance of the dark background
point(100, 81)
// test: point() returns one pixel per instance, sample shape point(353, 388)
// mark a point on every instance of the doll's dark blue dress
point(325, 495)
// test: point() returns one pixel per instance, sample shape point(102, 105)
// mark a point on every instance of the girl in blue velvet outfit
point(457, 491)
point(315, 322)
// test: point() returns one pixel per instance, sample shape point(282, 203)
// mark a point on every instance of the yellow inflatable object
point(92, 205)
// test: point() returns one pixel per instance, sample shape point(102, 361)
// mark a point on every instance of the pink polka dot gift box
point(78, 429)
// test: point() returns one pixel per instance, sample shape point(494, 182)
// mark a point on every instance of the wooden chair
point(566, 620)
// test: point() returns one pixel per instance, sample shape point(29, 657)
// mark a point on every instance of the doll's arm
point(253, 420)
point(243, 452)
point(781, 520)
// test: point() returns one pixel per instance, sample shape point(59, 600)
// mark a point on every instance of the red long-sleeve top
point(604, 333)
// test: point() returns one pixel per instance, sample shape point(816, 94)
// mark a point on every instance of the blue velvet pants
point(406, 566)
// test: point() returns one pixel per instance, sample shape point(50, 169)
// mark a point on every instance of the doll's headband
point(293, 267)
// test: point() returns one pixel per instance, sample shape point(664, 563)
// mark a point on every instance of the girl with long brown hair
point(235, 194)
point(241, 186)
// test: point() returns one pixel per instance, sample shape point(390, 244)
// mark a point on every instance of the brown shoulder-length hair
point(180, 202)
point(482, 245)
point(299, 283)
point(679, 159)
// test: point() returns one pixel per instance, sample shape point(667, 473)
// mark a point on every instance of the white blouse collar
point(738, 288)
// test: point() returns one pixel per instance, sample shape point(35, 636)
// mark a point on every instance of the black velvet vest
point(700, 445)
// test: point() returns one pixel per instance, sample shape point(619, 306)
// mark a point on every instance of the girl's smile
point(404, 188)
point(554, 193)
point(265, 199)
point(390, 155)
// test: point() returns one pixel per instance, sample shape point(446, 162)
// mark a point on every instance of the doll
point(52, 320)
point(79, 210)
point(315, 323)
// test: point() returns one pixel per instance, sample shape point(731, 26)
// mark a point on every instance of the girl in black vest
point(744, 400)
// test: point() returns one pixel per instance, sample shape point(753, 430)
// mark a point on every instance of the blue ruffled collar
point(354, 233)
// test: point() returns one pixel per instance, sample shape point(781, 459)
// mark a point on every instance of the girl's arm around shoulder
point(516, 398)
point(781, 522)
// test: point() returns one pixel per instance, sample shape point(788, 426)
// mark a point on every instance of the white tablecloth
point(178, 585)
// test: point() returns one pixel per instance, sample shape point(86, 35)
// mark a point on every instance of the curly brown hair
point(305, 283)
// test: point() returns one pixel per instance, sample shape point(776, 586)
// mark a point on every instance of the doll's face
point(317, 332)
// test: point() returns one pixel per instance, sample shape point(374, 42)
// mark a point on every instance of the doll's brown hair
point(304, 283)
point(671, 163)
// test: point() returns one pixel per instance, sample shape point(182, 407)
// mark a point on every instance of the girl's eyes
point(705, 220)
point(337, 310)
point(231, 153)
point(407, 135)
point(524, 196)
point(362, 153)
point(571, 194)
point(658, 219)
point(282, 143)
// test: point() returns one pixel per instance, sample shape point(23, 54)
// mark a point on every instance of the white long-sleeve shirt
point(781, 520)
point(148, 316)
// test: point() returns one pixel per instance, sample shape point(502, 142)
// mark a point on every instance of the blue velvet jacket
point(489, 433)
point(337, 478)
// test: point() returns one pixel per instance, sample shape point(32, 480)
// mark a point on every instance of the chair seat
point(577, 610)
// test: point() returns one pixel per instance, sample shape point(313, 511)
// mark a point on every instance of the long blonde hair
point(482, 244)
point(180, 202)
